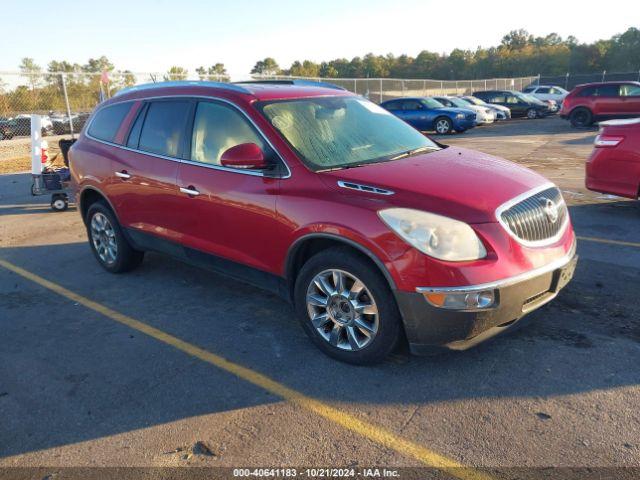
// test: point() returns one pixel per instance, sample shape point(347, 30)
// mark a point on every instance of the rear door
point(146, 194)
point(225, 211)
point(608, 100)
point(630, 99)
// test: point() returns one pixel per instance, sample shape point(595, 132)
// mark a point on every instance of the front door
point(224, 211)
point(630, 99)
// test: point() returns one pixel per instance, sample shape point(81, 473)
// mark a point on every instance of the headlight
point(440, 237)
point(460, 116)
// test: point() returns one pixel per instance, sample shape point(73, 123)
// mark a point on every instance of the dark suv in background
point(521, 105)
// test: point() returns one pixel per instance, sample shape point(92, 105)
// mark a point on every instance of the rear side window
point(107, 121)
point(530, 90)
point(542, 90)
point(164, 127)
point(395, 105)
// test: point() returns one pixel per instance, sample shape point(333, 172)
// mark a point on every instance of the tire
point(103, 237)
point(581, 117)
point(59, 202)
point(531, 113)
point(443, 125)
point(372, 308)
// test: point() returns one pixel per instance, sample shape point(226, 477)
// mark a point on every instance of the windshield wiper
point(410, 153)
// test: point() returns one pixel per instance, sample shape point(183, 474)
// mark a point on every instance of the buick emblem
point(550, 209)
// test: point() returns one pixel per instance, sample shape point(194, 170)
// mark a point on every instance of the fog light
point(462, 300)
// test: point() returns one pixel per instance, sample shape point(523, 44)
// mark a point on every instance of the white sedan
point(547, 92)
point(501, 113)
point(484, 115)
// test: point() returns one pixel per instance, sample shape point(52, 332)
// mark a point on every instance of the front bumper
point(430, 328)
point(463, 124)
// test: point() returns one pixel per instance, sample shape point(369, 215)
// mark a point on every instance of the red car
point(614, 164)
point(374, 232)
point(592, 102)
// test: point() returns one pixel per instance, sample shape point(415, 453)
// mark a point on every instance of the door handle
point(123, 174)
point(190, 190)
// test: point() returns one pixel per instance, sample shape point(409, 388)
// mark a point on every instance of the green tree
point(268, 66)
point(176, 73)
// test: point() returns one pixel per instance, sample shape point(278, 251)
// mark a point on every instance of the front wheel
point(346, 307)
point(531, 113)
point(443, 125)
point(109, 245)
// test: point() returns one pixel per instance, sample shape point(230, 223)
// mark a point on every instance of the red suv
point(614, 165)
point(375, 233)
point(592, 102)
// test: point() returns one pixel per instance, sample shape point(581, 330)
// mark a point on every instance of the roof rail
point(293, 81)
point(183, 83)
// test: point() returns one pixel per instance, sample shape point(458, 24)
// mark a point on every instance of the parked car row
point(446, 114)
point(20, 125)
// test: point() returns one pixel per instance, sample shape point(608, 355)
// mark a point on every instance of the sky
point(153, 35)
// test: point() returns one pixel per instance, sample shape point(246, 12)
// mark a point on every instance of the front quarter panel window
point(334, 132)
point(217, 128)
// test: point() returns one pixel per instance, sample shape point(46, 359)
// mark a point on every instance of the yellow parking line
point(368, 430)
point(610, 242)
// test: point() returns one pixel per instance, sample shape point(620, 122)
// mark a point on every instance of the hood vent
point(364, 188)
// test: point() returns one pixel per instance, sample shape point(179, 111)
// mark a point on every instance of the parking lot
point(174, 366)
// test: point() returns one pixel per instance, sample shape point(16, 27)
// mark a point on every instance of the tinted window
point(217, 128)
point(134, 133)
point(392, 105)
point(497, 98)
point(445, 101)
point(542, 90)
point(530, 90)
point(411, 105)
point(630, 90)
point(107, 121)
point(163, 128)
point(608, 91)
point(588, 92)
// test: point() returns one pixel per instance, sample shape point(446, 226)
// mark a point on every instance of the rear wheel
point(346, 307)
point(443, 125)
point(109, 245)
point(581, 118)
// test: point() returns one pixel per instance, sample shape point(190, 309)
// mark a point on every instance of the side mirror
point(246, 155)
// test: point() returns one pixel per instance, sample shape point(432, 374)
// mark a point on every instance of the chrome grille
point(538, 218)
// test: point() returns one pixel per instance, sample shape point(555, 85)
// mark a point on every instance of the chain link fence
point(65, 101)
point(381, 89)
point(569, 81)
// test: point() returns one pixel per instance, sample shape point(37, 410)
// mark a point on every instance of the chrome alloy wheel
point(442, 126)
point(342, 310)
point(104, 238)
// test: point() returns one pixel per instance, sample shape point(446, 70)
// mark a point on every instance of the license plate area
point(564, 275)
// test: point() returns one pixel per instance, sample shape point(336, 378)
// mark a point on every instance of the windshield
point(475, 101)
point(458, 102)
point(529, 98)
point(339, 132)
point(432, 103)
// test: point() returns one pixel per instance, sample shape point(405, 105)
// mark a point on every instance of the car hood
point(463, 184)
